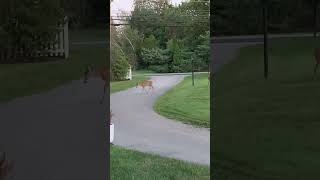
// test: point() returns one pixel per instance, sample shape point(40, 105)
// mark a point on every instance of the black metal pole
point(315, 9)
point(265, 37)
point(192, 71)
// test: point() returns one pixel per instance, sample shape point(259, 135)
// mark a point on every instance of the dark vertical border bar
point(211, 86)
point(108, 151)
point(265, 38)
point(315, 18)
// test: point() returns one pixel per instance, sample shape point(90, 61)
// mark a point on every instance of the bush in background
point(119, 68)
point(159, 68)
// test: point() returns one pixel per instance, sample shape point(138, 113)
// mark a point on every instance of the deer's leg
point(146, 89)
point(85, 78)
point(104, 93)
point(315, 70)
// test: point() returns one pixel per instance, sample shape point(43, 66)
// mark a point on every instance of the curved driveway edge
point(56, 135)
point(139, 127)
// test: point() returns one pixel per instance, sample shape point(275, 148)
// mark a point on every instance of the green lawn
point(137, 76)
point(128, 164)
point(190, 104)
point(31, 78)
point(117, 86)
point(268, 129)
point(26, 79)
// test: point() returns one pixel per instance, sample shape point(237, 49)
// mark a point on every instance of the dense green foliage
point(29, 26)
point(120, 68)
point(166, 38)
point(26, 26)
point(235, 17)
point(118, 58)
point(86, 13)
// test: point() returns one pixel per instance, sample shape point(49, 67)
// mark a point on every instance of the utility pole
point(265, 38)
point(315, 18)
point(192, 66)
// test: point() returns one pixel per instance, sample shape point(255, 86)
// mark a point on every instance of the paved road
point(58, 135)
point(138, 127)
point(224, 49)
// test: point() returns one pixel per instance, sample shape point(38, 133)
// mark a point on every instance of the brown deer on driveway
point(317, 57)
point(144, 84)
point(101, 73)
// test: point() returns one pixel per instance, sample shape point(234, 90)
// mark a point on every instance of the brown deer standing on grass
point(5, 167)
point(144, 84)
point(102, 73)
point(317, 57)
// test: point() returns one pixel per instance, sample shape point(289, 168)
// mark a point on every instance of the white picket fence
point(59, 47)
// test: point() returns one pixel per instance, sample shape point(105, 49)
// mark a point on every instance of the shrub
point(119, 68)
point(155, 56)
point(159, 68)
